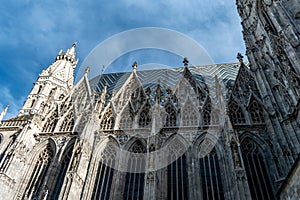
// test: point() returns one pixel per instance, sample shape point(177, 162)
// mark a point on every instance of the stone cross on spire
point(185, 62)
point(240, 57)
point(134, 66)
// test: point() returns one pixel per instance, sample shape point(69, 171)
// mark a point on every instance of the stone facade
point(290, 189)
point(226, 131)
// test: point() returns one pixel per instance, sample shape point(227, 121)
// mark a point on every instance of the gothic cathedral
point(225, 131)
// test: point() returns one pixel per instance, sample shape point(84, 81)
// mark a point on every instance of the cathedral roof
point(168, 78)
point(19, 118)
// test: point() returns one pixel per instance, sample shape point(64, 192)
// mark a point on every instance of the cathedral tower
point(271, 31)
point(53, 83)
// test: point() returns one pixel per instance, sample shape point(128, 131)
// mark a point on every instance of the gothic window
point(259, 182)
point(40, 89)
point(41, 166)
point(103, 187)
point(210, 174)
point(126, 121)
point(68, 122)
point(236, 113)
point(108, 121)
point(134, 180)
point(62, 172)
point(256, 112)
point(206, 114)
point(32, 103)
point(51, 123)
point(51, 93)
point(177, 177)
point(265, 19)
point(8, 151)
point(170, 116)
point(145, 118)
point(215, 117)
point(189, 116)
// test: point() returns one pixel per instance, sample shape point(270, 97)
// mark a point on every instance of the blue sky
point(32, 33)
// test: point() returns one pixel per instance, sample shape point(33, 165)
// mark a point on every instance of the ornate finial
point(148, 91)
point(134, 65)
point(87, 70)
point(185, 62)
point(74, 44)
point(158, 92)
point(240, 57)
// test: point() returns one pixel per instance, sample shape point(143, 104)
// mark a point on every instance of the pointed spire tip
point(134, 65)
point(87, 70)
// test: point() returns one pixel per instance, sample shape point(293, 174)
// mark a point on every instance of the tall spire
point(3, 113)
point(54, 83)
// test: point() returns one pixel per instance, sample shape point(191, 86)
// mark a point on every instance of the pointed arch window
point(145, 117)
point(236, 113)
point(62, 172)
point(177, 177)
point(189, 116)
point(170, 116)
point(68, 122)
point(265, 18)
point(108, 121)
point(39, 89)
point(6, 155)
point(51, 123)
point(126, 121)
point(52, 91)
point(206, 114)
point(259, 182)
point(256, 112)
point(32, 103)
point(103, 187)
point(210, 176)
point(134, 180)
point(215, 120)
point(38, 174)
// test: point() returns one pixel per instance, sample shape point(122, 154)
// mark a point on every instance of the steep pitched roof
point(169, 77)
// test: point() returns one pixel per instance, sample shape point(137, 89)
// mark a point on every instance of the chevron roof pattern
point(168, 78)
